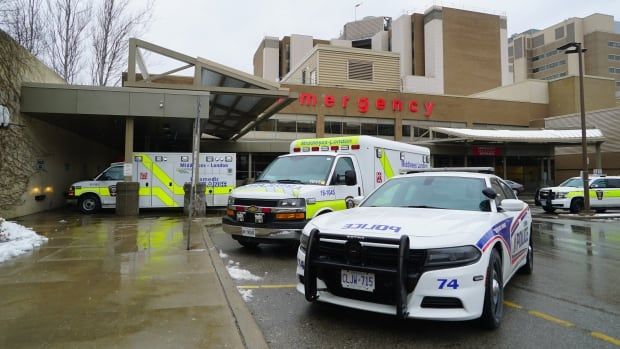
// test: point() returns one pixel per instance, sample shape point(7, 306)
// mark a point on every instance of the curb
point(589, 218)
point(251, 334)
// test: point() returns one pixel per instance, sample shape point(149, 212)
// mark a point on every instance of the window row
point(359, 126)
point(554, 76)
point(544, 55)
point(614, 70)
point(613, 57)
point(549, 66)
point(288, 123)
point(615, 44)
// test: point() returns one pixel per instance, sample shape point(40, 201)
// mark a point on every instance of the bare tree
point(23, 20)
point(114, 25)
point(69, 19)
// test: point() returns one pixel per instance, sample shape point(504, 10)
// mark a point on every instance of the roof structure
point(547, 136)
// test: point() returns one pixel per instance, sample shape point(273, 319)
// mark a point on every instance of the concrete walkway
point(103, 281)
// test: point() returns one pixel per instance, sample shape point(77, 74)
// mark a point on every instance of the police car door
point(342, 190)
point(518, 227)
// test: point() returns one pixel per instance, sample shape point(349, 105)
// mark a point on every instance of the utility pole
point(196, 167)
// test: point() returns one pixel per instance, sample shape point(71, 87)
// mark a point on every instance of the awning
point(518, 136)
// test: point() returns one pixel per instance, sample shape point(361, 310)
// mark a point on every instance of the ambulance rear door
point(142, 170)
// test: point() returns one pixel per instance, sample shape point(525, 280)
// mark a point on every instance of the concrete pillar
point(320, 125)
point(127, 199)
point(599, 157)
point(505, 167)
point(550, 178)
point(200, 203)
point(249, 165)
point(398, 128)
point(542, 172)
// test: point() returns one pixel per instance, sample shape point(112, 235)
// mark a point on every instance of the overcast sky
point(228, 31)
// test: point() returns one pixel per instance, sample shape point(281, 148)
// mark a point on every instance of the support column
point(599, 157)
point(249, 165)
point(550, 179)
point(127, 199)
point(542, 172)
point(320, 125)
point(505, 167)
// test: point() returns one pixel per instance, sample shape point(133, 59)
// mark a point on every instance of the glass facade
point(335, 126)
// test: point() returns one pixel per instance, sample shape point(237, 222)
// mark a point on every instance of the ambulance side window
point(113, 174)
point(342, 166)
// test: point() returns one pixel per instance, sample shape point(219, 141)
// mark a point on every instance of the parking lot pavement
point(104, 281)
point(572, 300)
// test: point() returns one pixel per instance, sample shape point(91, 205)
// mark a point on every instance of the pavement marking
point(551, 318)
point(512, 305)
point(606, 338)
point(266, 286)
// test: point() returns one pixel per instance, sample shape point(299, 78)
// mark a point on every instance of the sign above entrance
point(478, 150)
point(364, 103)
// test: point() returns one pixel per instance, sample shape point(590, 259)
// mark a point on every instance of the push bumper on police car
point(384, 275)
point(552, 199)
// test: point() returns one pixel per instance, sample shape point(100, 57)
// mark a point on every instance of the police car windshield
point(299, 169)
point(452, 193)
point(572, 182)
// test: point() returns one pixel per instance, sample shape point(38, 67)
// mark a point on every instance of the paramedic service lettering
point(213, 182)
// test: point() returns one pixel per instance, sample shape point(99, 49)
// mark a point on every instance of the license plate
point(245, 231)
point(357, 280)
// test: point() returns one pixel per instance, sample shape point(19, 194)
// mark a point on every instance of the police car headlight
point(452, 257)
point(560, 195)
point(231, 200)
point(303, 242)
point(292, 203)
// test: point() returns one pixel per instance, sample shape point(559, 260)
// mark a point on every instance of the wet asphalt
point(572, 300)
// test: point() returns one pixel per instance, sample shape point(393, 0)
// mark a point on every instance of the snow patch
point(246, 294)
point(16, 239)
point(241, 274)
point(223, 255)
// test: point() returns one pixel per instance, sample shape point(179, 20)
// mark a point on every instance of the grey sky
point(229, 31)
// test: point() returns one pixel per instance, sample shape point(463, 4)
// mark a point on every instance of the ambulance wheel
point(89, 203)
point(493, 294)
point(248, 243)
point(576, 205)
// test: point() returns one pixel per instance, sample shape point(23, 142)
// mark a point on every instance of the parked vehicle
point(317, 177)
point(161, 177)
point(604, 194)
point(435, 245)
point(516, 187)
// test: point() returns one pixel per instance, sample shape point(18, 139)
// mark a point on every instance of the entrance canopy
point(557, 137)
point(163, 105)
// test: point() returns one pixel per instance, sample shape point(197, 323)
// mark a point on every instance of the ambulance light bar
point(326, 148)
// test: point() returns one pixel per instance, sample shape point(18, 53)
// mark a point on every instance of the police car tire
point(600, 210)
point(548, 209)
point(576, 205)
point(89, 203)
point(528, 267)
point(493, 304)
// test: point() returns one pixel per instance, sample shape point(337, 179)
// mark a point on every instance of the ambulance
point(318, 176)
point(161, 177)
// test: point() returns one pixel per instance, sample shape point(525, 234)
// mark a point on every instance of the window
point(407, 128)
point(351, 128)
point(385, 130)
point(613, 183)
point(334, 127)
point(617, 83)
point(303, 77)
point(559, 33)
point(613, 57)
point(304, 169)
point(614, 70)
point(613, 44)
point(342, 166)
point(599, 183)
point(286, 126)
point(511, 50)
point(112, 174)
point(538, 41)
point(313, 77)
point(498, 189)
point(369, 129)
point(267, 125)
point(306, 126)
point(508, 192)
point(360, 70)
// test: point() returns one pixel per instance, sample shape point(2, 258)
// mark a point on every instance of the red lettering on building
point(477, 150)
point(308, 99)
point(345, 101)
point(413, 106)
point(428, 109)
point(362, 104)
point(397, 105)
point(329, 101)
point(380, 103)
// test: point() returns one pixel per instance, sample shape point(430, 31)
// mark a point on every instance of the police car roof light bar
point(487, 170)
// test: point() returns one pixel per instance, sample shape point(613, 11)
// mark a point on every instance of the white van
point(318, 176)
point(161, 177)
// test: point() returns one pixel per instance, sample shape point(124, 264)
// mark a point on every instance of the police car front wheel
point(493, 294)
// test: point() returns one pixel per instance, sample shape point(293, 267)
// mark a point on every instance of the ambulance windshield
point(298, 169)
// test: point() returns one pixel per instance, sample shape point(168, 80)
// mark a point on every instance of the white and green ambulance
point(318, 176)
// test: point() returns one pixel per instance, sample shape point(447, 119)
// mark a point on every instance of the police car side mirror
point(349, 178)
point(489, 193)
point(512, 205)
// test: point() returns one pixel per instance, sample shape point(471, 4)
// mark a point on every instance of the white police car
point(438, 246)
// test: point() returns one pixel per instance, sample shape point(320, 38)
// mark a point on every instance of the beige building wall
point(471, 51)
point(564, 94)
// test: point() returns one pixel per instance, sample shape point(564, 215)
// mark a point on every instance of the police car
point(437, 245)
point(604, 194)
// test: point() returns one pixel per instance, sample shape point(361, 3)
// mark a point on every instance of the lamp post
point(575, 47)
point(355, 10)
